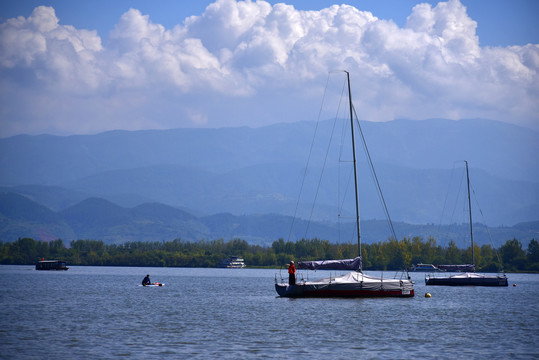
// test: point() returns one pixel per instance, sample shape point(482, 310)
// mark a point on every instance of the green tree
point(453, 253)
point(489, 259)
point(513, 256)
point(533, 251)
point(533, 255)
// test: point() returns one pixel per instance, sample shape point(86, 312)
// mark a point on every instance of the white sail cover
point(352, 280)
point(345, 264)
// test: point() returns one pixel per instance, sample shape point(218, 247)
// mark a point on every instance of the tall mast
point(470, 210)
point(355, 164)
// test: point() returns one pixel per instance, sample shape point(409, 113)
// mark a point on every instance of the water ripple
point(95, 313)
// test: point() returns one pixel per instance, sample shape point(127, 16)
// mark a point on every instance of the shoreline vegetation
point(386, 255)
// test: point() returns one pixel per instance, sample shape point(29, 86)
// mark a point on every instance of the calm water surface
point(101, 312)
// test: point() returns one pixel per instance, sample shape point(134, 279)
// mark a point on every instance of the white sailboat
point(468, 278)
point(354, 283)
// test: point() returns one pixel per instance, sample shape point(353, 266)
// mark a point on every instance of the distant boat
point(233, 262)
point(426, 268)
point(458, 268)
point(51, 265)
point(469, 278)
point(354, 283)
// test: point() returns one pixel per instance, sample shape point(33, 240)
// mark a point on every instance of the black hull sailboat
point(354, 283)
point(469, 278)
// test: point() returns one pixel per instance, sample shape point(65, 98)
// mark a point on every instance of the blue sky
point(500, 22)
point(71, 67)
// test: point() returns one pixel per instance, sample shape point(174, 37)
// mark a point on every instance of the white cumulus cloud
point(251, 63)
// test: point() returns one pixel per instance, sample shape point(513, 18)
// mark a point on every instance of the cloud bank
point(251, 63)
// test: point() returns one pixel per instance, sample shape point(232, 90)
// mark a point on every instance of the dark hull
point(53, 269)
point(462, 281)
point(295, 291)
point(305, 291)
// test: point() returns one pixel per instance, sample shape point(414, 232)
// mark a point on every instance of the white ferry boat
point(233, 262)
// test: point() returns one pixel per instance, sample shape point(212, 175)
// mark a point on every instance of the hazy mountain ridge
point(247, 171)
point(501, 149)
point(99, 219)
point(413, 195)
point(21, 217)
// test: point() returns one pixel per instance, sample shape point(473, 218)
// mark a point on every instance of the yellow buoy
point(427, 295)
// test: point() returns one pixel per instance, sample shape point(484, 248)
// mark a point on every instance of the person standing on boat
point(146, 280)
point(291, 273)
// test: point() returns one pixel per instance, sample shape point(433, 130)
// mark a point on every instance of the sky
point(84, 67)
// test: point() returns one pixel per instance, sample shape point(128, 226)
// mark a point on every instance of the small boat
point(233, 262)
point(354, 283)
point(468, 278)
point(425, 268)
point(155, 284)
point(51, 265)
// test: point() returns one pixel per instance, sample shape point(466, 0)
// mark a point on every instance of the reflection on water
point(101, 312)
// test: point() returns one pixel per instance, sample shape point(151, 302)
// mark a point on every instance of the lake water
point(101, 312)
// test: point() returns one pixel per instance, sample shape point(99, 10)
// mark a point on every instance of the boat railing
point(302, 276)
point(402, 275)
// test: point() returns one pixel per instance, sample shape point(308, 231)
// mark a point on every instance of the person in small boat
point(291, 273)
point(146, 280)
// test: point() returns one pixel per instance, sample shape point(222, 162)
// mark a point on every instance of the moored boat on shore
point(51, 265)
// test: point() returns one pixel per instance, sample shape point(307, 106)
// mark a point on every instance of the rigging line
point(486, 227)
point(373, 172)
point(344, 140)
point(324, 165)
point(308, 158)
point(346, 188)
point(343, 199)
point(439, 231)
point(344, 179)
point(339, 197)
point(456, 203)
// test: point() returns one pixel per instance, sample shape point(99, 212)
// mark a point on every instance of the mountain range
point(95, 218)
point(218, 177)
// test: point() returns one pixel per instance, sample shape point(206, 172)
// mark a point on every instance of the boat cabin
point(51, 265)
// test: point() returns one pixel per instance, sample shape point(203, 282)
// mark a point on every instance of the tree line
point(387, 255)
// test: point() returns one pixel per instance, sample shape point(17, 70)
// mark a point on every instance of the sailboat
point(470, 277)
point(354, 283)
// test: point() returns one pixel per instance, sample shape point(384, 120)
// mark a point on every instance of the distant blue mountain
point(256, 171)
point(22, 217)
point(99, 219)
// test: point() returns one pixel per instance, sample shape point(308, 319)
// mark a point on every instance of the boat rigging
point(354, 283)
